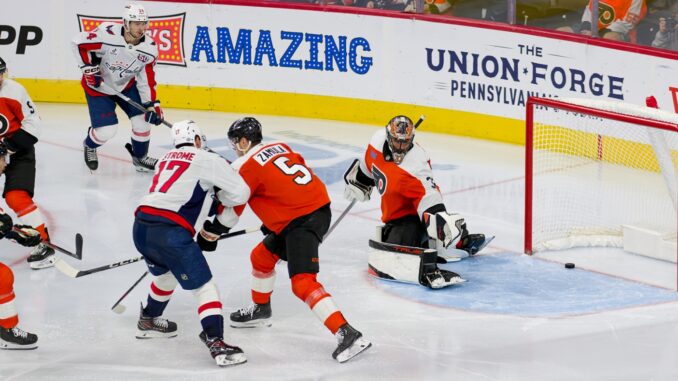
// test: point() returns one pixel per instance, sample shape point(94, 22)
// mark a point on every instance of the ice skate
point(255, 315)
point(222, 353)
point(155, 327)
point(351, 343)
point(16, 338)
point(142, 164)
point(41, 257)
point(91, 158)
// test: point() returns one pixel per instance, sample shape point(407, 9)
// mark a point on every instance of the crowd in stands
point(645, 22)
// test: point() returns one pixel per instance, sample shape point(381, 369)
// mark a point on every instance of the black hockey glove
point(5, 224)
point(153, 113)
point(24, 235)
point(265, 230)
point(210, 233)
point(6, 148)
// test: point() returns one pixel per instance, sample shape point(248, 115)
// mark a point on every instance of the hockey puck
point(569, 265)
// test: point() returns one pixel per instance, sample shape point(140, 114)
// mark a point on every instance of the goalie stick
point(72, 272)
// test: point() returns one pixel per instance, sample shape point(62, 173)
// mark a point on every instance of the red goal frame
point(533, 102)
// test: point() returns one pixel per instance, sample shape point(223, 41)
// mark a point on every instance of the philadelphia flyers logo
point(4, 124)
point(379, 179)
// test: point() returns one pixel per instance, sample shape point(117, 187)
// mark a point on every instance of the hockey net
point(600, 173)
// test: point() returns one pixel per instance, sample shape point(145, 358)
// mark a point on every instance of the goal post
point(601, 173)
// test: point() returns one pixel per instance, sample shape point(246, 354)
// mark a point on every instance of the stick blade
point(78, 246)
point(119, 309)
point(65, 268)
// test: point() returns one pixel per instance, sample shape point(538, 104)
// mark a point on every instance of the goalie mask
point(185, 131)
point(400, 137)
point(248, 128)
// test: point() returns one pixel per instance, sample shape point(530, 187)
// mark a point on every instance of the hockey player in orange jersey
point(19, 131)
point(294, 207)
point(11, 336)
point(411, 204)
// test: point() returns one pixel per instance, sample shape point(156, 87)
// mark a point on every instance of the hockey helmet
point(399, 137)
point(248, 128)
point(185, 131)
point(134, 12)
point(3, 66)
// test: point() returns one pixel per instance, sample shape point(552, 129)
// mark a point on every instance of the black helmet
point(3, 66)
point(248, 128)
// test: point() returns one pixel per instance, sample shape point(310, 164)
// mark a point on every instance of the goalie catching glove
point(446, 227)
point(24, 235)
point(358, 185)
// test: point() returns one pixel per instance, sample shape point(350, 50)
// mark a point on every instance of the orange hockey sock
point(22, 204)
point(308, 289)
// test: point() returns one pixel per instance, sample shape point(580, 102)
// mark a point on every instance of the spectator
point(617, 19)
point(667, 35)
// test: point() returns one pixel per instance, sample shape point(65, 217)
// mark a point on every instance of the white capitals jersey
point(406, 189)
point(120, 63)
point(184, 178)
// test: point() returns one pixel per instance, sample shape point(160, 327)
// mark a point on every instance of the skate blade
point(440, 283)
point(228, 360)
point(359, 346)
point(155, 335)
point(144, 170)
point(252, 324)
point(43, 264)
point(17, 347)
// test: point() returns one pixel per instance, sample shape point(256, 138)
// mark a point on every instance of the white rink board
point(395, 59)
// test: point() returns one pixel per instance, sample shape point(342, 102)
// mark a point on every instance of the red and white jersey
point(183, 179)
point(121, 64)
point(281, 186)
point(17, 110)
point(406, 189)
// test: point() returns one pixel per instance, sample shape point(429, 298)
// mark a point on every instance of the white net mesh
point(591, 175)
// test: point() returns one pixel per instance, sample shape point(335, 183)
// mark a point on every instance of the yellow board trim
point(363, 111)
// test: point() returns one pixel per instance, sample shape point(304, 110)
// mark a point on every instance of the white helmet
point(134, 12)
point(185, 131)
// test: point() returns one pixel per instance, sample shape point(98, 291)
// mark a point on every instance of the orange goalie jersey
point(406, 189)
point(282, 187)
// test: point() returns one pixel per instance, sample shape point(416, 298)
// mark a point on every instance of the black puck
point(569, 265)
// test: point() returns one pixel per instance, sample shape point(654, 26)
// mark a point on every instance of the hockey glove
point(24, 235)
point(265, 230)
point(92, 75)
point(358, 185)
point(445, 227)
point(5, 224)
point(153, 113)
point(6, 148)
point(210, 233)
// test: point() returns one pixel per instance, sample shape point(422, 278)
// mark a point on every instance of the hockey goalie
point(418, 231)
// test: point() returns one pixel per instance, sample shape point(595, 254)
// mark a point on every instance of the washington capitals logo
point(166, 31)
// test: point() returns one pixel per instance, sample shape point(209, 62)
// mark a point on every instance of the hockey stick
point(420, 121)
point(341, 217)
point(78, 247)
point(131, 102)
point(75, 273)
point(119, 308)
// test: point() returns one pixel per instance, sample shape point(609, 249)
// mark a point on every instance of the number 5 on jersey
point(303, 175)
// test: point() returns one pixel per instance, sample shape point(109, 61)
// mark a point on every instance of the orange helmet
point(399, 136)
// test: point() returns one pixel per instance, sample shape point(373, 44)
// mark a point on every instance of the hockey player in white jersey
point(163, 233)
point(412, 208)
point(120, 57)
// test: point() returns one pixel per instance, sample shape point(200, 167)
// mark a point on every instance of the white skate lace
point(148, 161)
point(249, 310)
point(163, 323)
point(19, 333)
point(91, 154)
point(39, 249)
point(340, 336)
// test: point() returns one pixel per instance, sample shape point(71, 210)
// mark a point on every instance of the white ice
point(515, 319)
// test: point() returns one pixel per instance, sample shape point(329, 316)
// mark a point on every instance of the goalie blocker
point(408, 264)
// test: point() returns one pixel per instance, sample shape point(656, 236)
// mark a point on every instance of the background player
point(164, 229)
point(412, 207)
point(294, 207)
point(11, 336)
point(19, 131)
point(123, 57)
